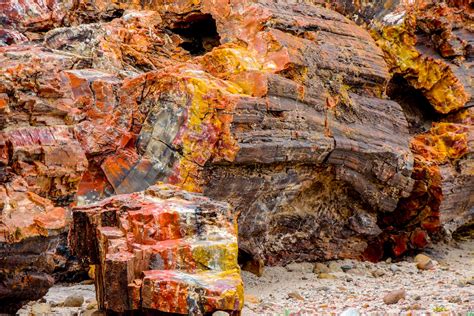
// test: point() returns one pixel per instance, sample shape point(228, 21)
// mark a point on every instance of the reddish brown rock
point(33, 248)
point(441, 200)
point(164, 250)
point(287, 121)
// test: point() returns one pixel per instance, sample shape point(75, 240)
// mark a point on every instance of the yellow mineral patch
point(207, 134)
point(229, 72)
point(239, 65)
point(433, 77)
point(217, 256)
point(444, 141)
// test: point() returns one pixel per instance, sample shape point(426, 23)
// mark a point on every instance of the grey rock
point(394, 268)
point(346, 267)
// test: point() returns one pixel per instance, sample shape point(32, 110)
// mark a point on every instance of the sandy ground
point(446, 289)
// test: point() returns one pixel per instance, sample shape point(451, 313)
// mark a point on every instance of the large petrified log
point(162, 250)
point(297, 116)
point(56, 124)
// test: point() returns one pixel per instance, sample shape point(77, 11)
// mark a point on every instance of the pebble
point(394, 268)
point(414, 307)
point(296, 296)
point(326, 276)
point(394, 296)
point(220, 313)
point(377, 273)
point(346, 267)
point(454, 299)
point(320, 268)
point(74, 301)
point(423, 262)
point(323, 288)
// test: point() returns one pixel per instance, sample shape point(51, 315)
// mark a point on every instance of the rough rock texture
point(429, 44)
point(164, 250)
point(57, 122)
point(293, 113)
point(329, 140)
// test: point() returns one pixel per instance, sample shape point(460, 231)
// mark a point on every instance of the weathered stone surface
point(28, 268)
point(165, 250)
point(57, 119)
point(429, 43)
point(291, 117)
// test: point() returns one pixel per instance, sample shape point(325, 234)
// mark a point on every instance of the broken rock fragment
point(164, 249)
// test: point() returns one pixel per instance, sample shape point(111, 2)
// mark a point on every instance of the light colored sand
point(445, 288)
point(449, 287)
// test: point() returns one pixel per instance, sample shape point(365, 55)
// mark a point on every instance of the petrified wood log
point(288, 114)
point(162, 250)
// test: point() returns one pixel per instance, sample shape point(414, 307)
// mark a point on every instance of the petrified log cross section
point(163, 249)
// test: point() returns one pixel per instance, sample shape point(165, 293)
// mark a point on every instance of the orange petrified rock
point(165, 250)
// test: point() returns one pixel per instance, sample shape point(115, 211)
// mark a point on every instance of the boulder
point(164, 250)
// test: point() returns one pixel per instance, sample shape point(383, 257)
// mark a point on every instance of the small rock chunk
point(320, 268)
point(423, 262)
point(74, 301)
point(394, 296)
